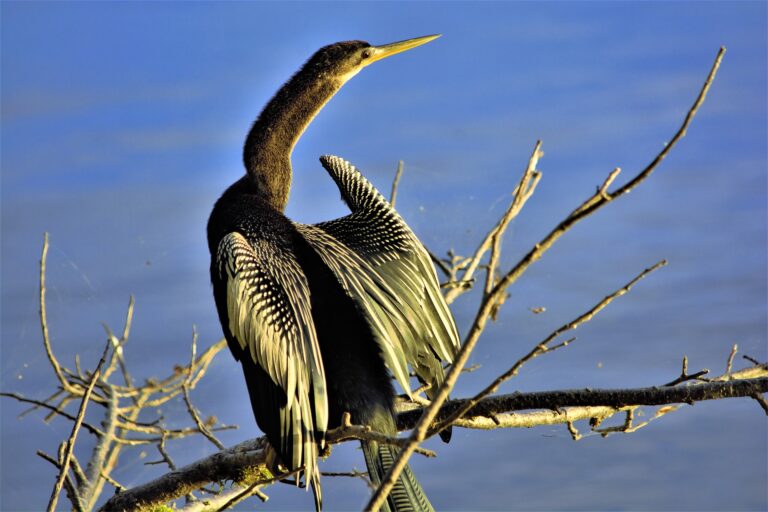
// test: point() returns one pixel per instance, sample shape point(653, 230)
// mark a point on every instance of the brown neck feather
point(267, 151)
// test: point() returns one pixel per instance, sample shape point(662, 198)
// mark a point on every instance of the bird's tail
point(407, 495)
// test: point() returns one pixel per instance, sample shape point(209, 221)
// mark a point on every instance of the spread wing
point(263, 301)
point(387, 253)
point(386, 316)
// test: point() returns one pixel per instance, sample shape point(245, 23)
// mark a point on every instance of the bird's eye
point(366, 54)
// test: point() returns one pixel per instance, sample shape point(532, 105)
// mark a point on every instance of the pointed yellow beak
point(387, 50)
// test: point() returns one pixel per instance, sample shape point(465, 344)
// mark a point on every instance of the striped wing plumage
point(270, 324)
point(264, 301)
point(384, 252)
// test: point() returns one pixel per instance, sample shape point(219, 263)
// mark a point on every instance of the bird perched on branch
point(319, 315)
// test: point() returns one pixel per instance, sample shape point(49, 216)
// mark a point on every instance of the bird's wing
point(263, 300)
point(377, 235)
point(386, 315)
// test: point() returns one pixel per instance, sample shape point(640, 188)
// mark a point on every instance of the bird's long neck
point(267, 152)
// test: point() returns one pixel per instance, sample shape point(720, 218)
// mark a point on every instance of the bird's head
point(341, 61)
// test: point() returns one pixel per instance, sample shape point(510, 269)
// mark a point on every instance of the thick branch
point(616, 398)
point(250, 455)
point(230, 464)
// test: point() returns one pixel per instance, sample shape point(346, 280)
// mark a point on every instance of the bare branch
point(629, 426)
point(761, 400)
point(616, 398)
point(493, 296)
point(253, 489)
point(55, 410)
point(440, 263)
point(224, 500)
point(70, 443)
point(114, 483)
point(550, 407)
point(684, 376)
point(230, 464)
point(602, 196)
point(729, 364)
point(520, 195)
point(74, 498)
point(492, 241)
point(395, 183)
point(187, 400)
point(44, 320)
point(543, 346)
point(362, 475)
point(347, 431)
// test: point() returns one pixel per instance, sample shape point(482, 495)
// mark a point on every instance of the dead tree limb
point(252, 464)
point(256, 456)
point(495, 296)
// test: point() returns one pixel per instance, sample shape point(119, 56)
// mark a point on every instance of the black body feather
point(319, 315)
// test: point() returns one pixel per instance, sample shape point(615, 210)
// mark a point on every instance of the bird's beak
point(387, 50)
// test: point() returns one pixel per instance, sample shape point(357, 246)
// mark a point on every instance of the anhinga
point(319, 314)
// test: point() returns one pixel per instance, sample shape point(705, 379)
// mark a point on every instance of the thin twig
point(114, 483)
point(760, 399)
point(729, 364)
point(395, 183)
point(253, 488)
point(685, 376)
point(74, 498)
point(440, 263)
point(55, 410)
point(164, 454)
point(39, 404)
point(602, 197)
point(347, 431)
point(44, 320)
point(186, 387)
point(575, 435)
point(520, 196)
point(117, 355)
point(522, 192)
point(543, 346)
point(70, 444)
point(628, 427)
point(80, 477)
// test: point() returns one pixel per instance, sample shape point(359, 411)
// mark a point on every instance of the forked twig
point(685, 376)
point(492, 241)
point(543, 346)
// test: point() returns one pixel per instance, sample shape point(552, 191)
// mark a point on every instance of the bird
point(323, 317)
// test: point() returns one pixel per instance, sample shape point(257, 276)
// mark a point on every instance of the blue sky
point(123, 122)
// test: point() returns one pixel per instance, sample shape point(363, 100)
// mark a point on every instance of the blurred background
point(123, 122)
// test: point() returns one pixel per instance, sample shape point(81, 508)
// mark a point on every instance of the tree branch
point(615, 398)
point(44, 321)
point(395, 183)
point(544, 346)
point(69, 445)
point(558, 407)
point(498, 292)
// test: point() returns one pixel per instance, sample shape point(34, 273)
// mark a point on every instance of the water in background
point(123, 123)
